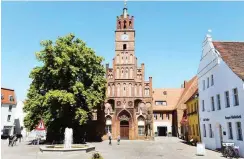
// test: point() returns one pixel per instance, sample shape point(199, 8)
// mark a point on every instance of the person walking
point(110, 138)
point(118, 139)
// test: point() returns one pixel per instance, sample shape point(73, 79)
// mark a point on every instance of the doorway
point(162, 131)
point(124, 130)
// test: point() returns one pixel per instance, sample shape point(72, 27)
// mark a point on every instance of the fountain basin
point(74, 147)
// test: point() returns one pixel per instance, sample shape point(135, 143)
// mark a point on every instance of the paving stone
point(161, 148)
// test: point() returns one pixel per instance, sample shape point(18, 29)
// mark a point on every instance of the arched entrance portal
point(124, 129)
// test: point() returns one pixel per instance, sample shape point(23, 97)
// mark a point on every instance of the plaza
point(162, 147)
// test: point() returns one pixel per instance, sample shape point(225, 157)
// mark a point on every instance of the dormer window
point(11, 98)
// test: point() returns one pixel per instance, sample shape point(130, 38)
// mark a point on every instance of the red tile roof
point(5, 96)
point(190, 88)
point(233, 55)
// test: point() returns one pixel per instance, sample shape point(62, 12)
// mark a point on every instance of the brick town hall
point(127, 91)
point(129, 97)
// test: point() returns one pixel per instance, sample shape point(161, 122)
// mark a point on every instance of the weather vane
point(125, 3)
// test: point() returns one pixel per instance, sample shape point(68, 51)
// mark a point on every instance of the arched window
point(113, 90)
point(147, 91)
point(117, 72)
point(129, 23)
point(141, 126)
point(135, 89)
point(108, 125)
point(131, 72)
point(140, 90)
point(124, 24)
point(124, 47)
point(122, 72)
point(131, 58)
point(124, 90)
point(118, 90)
point(130, 90)
point(127, 73)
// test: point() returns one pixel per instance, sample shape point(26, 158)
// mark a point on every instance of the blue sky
point(169, 35)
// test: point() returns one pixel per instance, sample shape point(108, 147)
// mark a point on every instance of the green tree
point(68, 86)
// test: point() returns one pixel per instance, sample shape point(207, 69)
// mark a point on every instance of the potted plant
point(169, 134)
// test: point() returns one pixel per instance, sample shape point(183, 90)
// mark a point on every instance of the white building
point(8, 107)
point(221, 93)
point(19, 119)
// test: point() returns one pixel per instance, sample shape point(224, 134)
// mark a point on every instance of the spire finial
point(125, 9)
point(209, 33)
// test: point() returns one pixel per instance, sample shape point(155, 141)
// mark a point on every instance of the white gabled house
point(221, 93)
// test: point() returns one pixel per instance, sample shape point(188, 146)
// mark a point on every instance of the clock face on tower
point(124, 37)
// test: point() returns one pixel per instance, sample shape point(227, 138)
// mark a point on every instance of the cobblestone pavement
point(161, 148)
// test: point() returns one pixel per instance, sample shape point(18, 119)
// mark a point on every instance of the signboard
point(40, 126)
point(233, 117)
point(200, 149)
point(40, 130)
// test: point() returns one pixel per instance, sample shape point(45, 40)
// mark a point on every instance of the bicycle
point(230, 150)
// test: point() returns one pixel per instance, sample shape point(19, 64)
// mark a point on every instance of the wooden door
point(124, 130)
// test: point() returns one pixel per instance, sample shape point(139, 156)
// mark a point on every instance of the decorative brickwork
point(128, 94)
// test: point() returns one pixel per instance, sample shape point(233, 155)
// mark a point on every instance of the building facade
point(129, 96)
point(180, 114)
point(193, 130)
point(8, 108)
point(19, 120)
point(164, 102)
point(221, 93)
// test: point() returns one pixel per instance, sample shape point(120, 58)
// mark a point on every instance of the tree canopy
point(68, 86)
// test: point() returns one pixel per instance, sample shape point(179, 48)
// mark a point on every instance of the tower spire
point(125, 9)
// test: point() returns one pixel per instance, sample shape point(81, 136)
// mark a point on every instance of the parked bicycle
point(230, 150)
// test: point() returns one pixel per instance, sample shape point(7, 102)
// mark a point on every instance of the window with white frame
point(211, 135)
point(227, 99)
point(203, 107)
point(218, 102)
point(235, 95)
point(212, 80)
point(208, 82)
point(2, 96)
point(9, 118)
point(146, 91)
point(239, 131)
point(203, 84)
point(141, 130)
point(11, 98)
point(108, 128)
point(10, 108)
point(212, 103)
point(204, 130)
point(230, 131)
